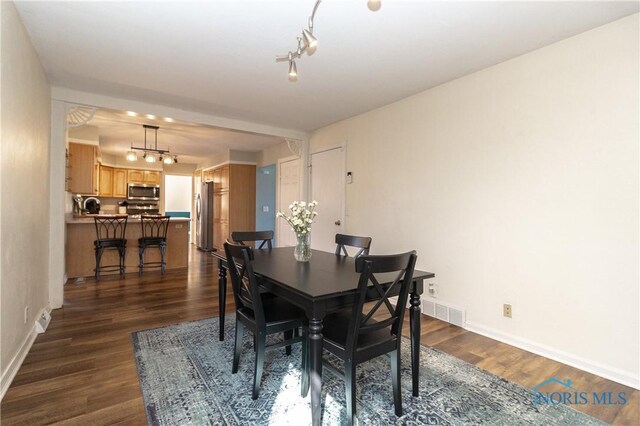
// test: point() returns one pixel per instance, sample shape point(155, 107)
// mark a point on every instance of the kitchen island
point(80, 255)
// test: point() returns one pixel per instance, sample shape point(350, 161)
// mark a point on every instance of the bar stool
point(110, 235)
point(154, 234)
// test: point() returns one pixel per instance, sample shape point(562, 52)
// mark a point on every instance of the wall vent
point(440, 311)
point(443, 312)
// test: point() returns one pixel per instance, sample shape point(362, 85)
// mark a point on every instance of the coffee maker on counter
point(92, 205)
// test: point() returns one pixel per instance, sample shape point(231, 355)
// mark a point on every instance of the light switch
point(265, 209)
point(349, 177)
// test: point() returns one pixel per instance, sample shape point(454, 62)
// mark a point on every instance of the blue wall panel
point(266, 198)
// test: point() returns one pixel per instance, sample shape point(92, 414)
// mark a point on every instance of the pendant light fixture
point(151, 155)
point(309, 43)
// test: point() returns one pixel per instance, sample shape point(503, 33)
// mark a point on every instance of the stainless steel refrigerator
point(204, 217)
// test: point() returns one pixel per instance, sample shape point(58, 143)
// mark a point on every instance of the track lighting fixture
point(374, 5)
point(308, 42)
point(151, 155)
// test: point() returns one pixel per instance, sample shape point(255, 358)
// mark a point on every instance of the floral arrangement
point(302, 216)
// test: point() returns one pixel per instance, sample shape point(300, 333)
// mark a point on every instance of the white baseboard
point(624, 377)
point(16, 362)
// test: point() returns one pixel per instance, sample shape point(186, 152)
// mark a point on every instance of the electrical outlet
point(178, 225)
point(506, 310)
point(433, 290)
point(26, 314)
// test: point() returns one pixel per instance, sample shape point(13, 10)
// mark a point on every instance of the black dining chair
point(264, 237)
point(342, 240)
point(110, 235)
point(261, 317)
point(154, 234)
point(355, 336)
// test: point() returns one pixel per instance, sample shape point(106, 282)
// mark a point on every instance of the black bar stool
point(154, 234)
point(110, 234)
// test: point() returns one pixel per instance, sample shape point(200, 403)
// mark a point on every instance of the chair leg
point(287, 335)
point(98, 257)
point(163, 250)
point(395, 381)
point(141, 259)
point(305, 364)
point(350, 390)
point(257, 375)
point(237, 347)
point(122, 252)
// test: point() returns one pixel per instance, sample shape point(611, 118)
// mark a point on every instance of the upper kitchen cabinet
point(120, 183)
point(135, 176)
point(82, 169)
point(106, 181)
point(113, 182)
point(151, 177)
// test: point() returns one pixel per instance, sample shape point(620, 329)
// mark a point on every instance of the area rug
point(185, 374)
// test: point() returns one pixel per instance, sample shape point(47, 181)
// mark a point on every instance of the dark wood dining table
point(327, 282)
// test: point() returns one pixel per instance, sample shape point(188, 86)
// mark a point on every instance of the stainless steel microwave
point(143, 192)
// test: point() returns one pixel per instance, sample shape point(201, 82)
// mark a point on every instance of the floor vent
point(443, 312)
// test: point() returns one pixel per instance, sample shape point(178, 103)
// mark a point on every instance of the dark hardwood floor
point(82, 370)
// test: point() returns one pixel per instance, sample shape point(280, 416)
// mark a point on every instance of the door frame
point(280, 222)
point(343, 168)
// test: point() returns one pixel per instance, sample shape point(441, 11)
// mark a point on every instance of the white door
point(288, 191)
point(327, 188)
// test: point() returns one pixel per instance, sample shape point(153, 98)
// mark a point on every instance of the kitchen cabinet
point(207, 176)
point(234, 200)
point(151, 177)
point(120, 183)
point(106, 181)
point(135, 176)
point(82, 171)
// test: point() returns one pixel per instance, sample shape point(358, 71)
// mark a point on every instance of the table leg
point(315, 373)
point(222, 295)
point(414, 325)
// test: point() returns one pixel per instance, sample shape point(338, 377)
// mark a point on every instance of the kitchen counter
point(80, 255)
point(88, 218)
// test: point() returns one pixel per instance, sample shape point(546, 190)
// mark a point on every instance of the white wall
point(177, 193)
point(517, 184)
point(24, 224)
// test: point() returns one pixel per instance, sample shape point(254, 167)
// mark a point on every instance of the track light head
point(293, 70)
point(310, 42)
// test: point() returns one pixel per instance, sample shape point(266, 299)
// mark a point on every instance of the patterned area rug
point(186, 379)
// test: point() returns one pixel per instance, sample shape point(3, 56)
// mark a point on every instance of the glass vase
point(302, 252)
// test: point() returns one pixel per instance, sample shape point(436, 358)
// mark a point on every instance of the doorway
point(288, 191)
point(266, 198)
point(178, 196)
point(327, 188)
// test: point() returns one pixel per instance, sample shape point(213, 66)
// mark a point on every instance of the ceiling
point(193, 143)
point(218, 57)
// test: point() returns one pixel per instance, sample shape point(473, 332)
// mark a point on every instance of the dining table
point(326, 283)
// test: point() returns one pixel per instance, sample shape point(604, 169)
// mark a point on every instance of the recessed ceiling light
point(168, 119)
point(151, 116)
point(132, 114)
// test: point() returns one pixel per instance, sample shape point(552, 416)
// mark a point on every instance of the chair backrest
point(154, 226)
point(110, 226)
point(342, 240)
point(242, 237)
point(398, 266)
point(245, 285)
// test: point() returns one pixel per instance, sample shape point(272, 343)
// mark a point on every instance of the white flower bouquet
point(302, 216)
